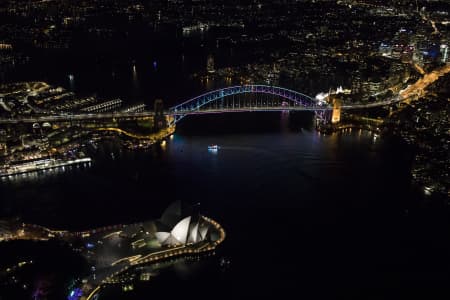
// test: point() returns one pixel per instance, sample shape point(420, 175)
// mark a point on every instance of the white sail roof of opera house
point(185, 231)
point(181, 230)
point(193, 237)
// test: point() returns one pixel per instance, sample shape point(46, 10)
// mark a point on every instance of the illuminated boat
point(213, 147)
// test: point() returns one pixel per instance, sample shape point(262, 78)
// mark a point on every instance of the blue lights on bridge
point(292, 100)
point(229, 99)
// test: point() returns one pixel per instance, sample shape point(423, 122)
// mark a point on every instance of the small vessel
point(213, 147)
point(224, 263)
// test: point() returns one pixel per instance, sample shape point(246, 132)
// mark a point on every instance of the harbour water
point(301, 210)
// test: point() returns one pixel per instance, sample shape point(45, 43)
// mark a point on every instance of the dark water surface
point(305, 214)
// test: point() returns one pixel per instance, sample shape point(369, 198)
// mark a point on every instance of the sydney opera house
point(179, 226)
point(117, 249)
point(185, 229)
point(184, 232)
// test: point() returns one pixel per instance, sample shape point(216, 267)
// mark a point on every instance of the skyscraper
point(444, 53)
point(210, 64)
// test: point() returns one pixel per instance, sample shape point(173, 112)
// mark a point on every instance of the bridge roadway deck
point(113, 115)
point(76, 117)
point(247, 109)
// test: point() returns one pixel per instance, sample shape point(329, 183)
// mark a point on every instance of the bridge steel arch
point(300, 101)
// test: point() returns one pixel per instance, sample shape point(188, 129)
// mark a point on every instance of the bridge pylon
point(336, 114)
point(159, 121)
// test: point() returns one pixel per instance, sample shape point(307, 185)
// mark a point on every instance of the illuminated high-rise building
point(210, 64)
point(444, 53)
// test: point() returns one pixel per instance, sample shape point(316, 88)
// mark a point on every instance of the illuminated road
point(411, 92)
point(419, 69)
point(433, 23)
point(417, 89)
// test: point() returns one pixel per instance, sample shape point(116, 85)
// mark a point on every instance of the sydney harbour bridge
point(245, 98)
